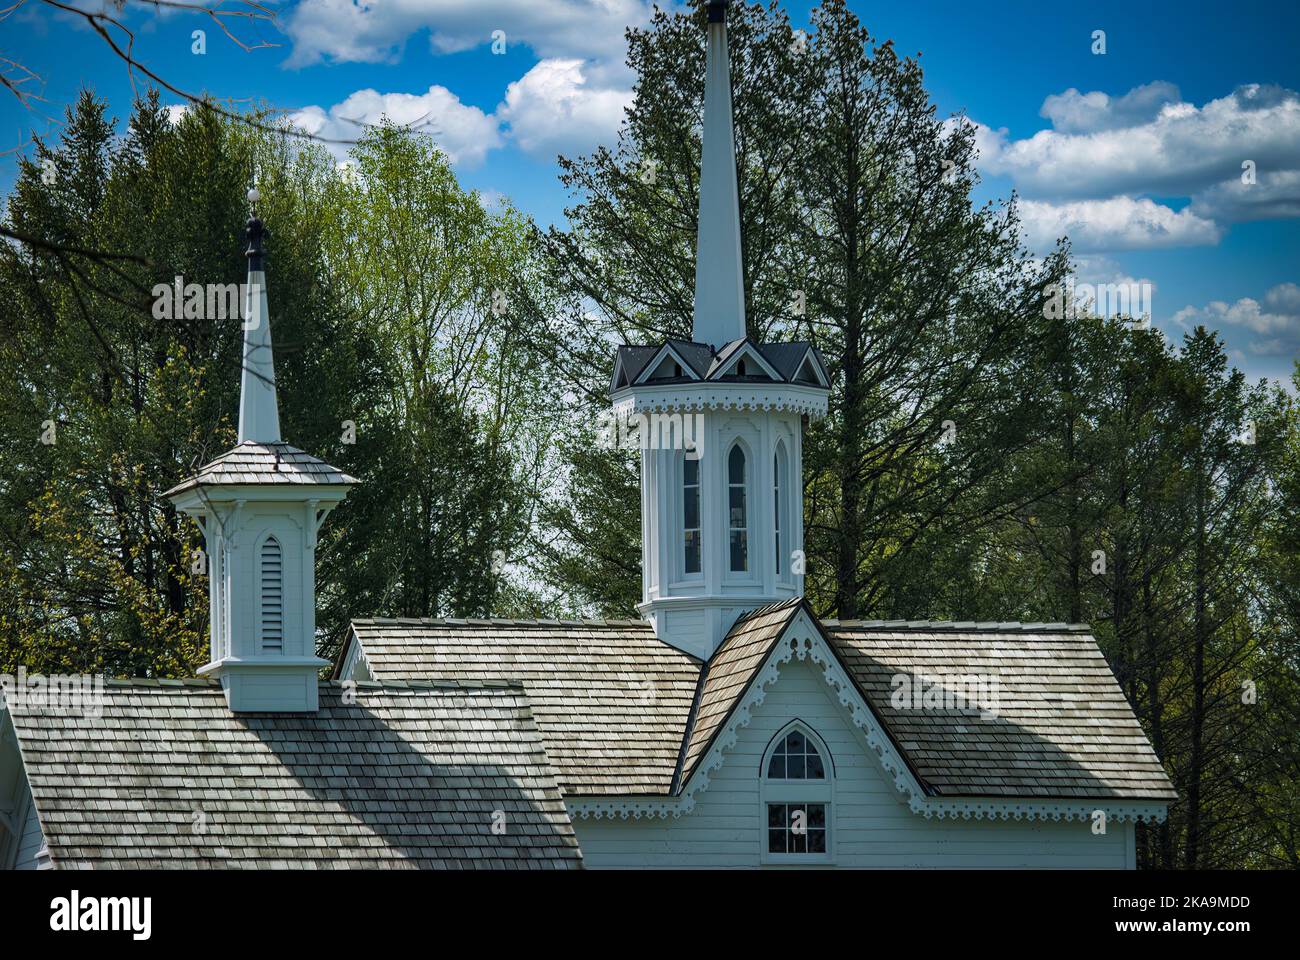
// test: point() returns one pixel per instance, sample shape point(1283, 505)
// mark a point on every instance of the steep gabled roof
point(264, 463)
point(1058, 724)
point(1059, 728)
point(610, 700)
point(789, 358)
point(629, 361)
point(723, 366)
point(697, 355)
point(683, 358)
point(407, 775)
point(730, 672)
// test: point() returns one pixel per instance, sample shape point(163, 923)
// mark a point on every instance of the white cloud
point(1095, 269)
point(554, 109)
point(1075, 112)
point(464, 133)
point(175, 111)
point(1275, 324)
point(1117, 223)
point(1182, 150)
point(1285, 298)
point(345, 30)
point(1274, 194)
point(1092, 176)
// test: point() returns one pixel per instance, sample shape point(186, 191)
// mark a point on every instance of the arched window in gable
point(797, 789)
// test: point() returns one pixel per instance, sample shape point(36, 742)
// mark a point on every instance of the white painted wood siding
point(30, 839)
point(872, 828)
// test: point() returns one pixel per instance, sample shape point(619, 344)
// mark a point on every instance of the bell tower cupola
point(720, 423)
point(260, 506)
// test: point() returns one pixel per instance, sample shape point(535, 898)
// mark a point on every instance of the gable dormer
point(811, 371)
point(743, 359)
point(668, 364)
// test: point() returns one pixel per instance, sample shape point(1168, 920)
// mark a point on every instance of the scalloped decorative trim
point(628, 809)
point(956, 808)
point(802, 640)
point(778, 397)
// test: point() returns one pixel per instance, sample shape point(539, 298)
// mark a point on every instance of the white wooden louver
point(272, 597)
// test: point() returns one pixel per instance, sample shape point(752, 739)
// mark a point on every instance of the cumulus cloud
point(1182, 150)
point(347, 31)
point(465, 133)
point(1117, 223)
point(1093, 174)
point(1275, 323)
point(559, 106)
point(1274, 194)
point(1100, 270)
point(554, 108)
point(1075, 112)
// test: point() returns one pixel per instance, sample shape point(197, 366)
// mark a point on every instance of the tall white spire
point(719, 278)
point(259, 413)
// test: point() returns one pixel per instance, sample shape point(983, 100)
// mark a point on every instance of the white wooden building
point(729, 727)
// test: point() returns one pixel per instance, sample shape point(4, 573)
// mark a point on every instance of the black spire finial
point(717, 11)
point(256, 232)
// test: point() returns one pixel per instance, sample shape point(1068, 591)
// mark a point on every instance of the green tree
point(454, 441)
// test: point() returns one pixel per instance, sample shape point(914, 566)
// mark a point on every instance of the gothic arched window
point(690, 515)
point(779, 483)
point(737, 518)
point(797, 787)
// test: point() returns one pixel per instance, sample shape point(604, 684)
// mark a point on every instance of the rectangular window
point(691, 514)
point(796, 827)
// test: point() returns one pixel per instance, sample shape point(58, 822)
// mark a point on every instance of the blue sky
point(1136, 154)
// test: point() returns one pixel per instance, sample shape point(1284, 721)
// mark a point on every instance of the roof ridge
point(208, 683)
point(988, 626)
point(450, 683)
point(766, 608)
point(500, 621)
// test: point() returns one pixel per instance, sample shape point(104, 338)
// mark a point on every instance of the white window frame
point(750, 573)
point(781, 508)
point(683, 576)
point(785, 790)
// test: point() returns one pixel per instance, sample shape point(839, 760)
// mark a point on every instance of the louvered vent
point(272, 597)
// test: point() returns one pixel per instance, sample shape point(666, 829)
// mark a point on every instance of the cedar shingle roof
point(730, 672)
point(409, 775)
point(263, 463)
point(610, 699)
point(1060, 725)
